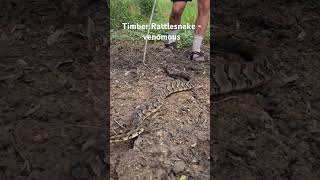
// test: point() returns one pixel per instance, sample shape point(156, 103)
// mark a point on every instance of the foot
point(169, 47)
point(197, 56)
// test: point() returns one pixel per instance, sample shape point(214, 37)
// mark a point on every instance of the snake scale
point(256, 70)
point(150, 107)
point(226, 78)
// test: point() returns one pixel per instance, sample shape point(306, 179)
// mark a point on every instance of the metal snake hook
point(150, 20)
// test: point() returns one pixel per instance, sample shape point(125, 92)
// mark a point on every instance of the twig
point(78, 125)
point(26, 163)
point(119, 124)
point(225, 99)
point(114, 131)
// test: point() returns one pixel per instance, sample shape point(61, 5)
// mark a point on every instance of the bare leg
point(176, 12)
point(175, 19)
point(201, 25)
point(203, 17)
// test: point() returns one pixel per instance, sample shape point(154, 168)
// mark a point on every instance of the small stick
point(26, 164)
point(114, 131)
point(225, 99)
point(84, 126)
point(119, 124)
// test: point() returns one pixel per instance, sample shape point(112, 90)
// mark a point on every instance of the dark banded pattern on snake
point(233, 76)
point(150, 107)
point(226, 78)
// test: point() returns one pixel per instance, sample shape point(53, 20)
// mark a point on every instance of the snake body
point(150, 107)
point(257, 69)
point(225, 77)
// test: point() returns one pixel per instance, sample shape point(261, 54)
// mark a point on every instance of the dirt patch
point(51, 95)
point(271, 132)
point(176, 142)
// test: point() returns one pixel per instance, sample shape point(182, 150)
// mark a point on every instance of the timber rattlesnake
point(229, 77)
point(150, 107)
point(226, 78)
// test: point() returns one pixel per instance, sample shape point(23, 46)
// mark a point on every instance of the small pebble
point(179, 166)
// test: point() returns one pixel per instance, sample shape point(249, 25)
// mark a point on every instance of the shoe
point(170, 46)
point(197, 56)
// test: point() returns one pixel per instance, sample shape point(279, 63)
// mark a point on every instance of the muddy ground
point(53, 96)
point(271, 132)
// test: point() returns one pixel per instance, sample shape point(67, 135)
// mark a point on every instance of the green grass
point(164, 8)
point(138, 11)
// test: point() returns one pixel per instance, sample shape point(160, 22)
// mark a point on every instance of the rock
point(265, 119)
point(179, 166)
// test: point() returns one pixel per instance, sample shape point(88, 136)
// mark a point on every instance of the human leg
point(201, 25)
point(175, 19)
